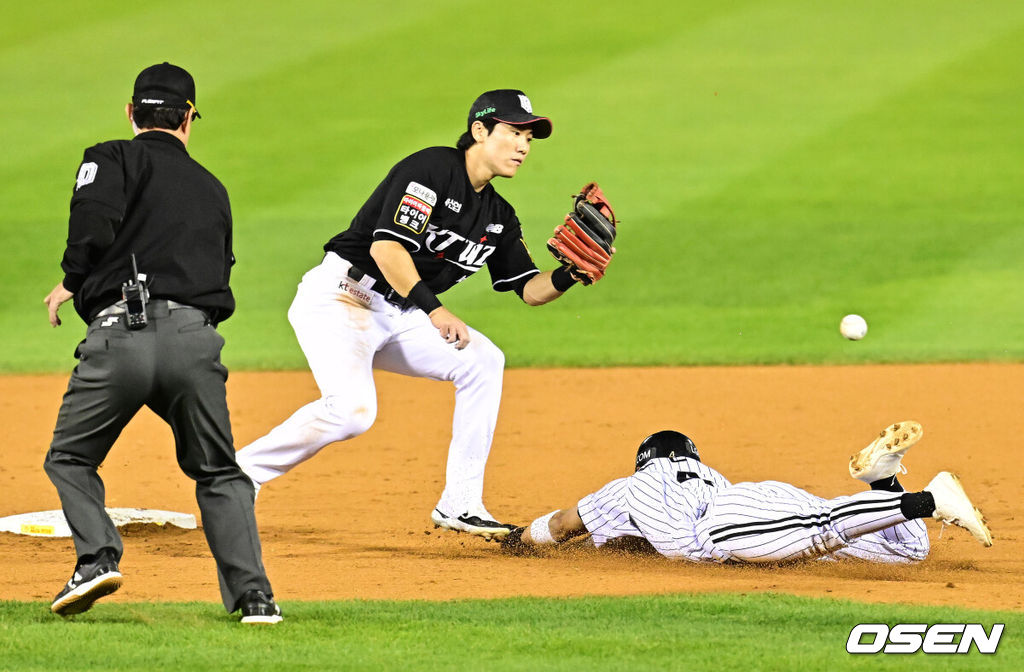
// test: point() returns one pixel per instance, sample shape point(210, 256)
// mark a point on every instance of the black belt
point(382, 288)
point(154, 308)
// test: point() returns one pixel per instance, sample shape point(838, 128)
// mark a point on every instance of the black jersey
point(428, 204)
point(147, 196)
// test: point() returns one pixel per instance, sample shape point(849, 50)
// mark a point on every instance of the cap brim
point(541, 126)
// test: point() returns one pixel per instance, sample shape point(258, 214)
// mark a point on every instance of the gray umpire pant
point(173, 367)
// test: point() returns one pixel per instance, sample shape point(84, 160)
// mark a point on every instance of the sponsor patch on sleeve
point(413, 214)
point(425, 194)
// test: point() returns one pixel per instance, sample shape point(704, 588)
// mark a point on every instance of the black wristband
point(423, 298)
point(562, 279)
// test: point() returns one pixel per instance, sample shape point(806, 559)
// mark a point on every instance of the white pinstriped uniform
point(689, 511)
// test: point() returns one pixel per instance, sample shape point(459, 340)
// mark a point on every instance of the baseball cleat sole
point(882, 457)
point(262, 620)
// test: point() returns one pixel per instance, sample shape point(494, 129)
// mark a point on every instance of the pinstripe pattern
point(688, 510)
point(653, 503)
point(605, 515)
point(900, 544)
point(778, 522)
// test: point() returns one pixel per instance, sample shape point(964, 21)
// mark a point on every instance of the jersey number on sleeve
point(86, 174)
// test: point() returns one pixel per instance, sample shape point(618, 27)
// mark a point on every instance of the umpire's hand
point(53, 300)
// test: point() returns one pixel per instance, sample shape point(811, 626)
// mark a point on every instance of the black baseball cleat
point(478, 523)
point(91, 581)
point(258, 608)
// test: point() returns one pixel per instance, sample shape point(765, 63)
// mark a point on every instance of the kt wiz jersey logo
point(457, 250)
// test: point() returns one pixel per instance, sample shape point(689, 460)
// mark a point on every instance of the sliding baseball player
point(687, 510)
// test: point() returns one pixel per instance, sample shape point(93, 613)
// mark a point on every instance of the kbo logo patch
point(914, 637)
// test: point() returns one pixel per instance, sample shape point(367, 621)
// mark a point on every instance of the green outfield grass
point(690, 632)
point(776, 164)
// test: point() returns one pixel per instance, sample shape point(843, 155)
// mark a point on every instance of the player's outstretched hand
point(451, 328)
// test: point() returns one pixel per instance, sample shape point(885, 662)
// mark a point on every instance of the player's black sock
point(889, 484)
point(917, 505)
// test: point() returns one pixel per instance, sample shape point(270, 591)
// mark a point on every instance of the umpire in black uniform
point(152, 341)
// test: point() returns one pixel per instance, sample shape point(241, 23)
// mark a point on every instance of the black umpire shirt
point(147, 196)
point(428, 204)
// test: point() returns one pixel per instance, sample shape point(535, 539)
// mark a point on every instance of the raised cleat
point(91, 581)
point(954, 507)
point(882, 457)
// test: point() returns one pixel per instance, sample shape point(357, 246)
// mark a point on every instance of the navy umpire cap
point(666, 443)
point(165, 85)
point(509, 106)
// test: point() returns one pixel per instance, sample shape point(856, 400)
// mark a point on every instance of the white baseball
point(853, 327)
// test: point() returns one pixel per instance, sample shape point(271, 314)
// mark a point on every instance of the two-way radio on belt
point(136, 295)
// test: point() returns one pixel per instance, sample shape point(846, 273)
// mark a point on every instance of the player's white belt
point(389, 294)
point(120, 308)
point(368, 282)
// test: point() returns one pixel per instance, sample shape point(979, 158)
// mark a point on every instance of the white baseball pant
point(773, 521)
point(346, 330)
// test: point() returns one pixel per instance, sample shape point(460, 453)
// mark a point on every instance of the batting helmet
point(666, 443)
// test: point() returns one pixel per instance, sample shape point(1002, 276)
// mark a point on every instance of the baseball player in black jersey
point(147, 262)
point(373, 303)
point(687, 510)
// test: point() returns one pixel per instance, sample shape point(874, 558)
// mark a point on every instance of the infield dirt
point(354, 521)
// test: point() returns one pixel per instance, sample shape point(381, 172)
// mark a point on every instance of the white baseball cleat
point(882, 457)
point(478, 522)
point(954, 507)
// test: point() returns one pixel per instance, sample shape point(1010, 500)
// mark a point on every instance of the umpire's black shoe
point(258, 608)
point(92, 580)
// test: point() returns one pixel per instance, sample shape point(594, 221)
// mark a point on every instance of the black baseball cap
point(165, 85)
point(509, 106)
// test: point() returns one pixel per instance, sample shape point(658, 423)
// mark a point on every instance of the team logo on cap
point(524, 102)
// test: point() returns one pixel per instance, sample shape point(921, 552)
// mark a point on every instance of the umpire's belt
point(383, 288)
point(154, 308)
